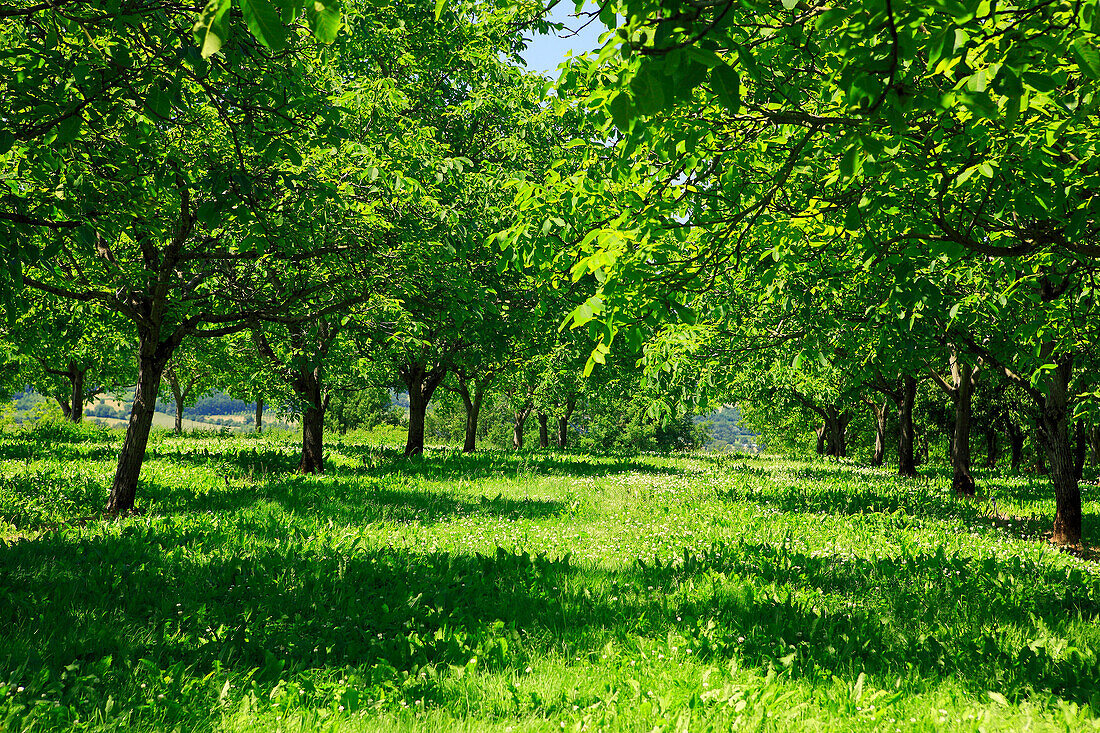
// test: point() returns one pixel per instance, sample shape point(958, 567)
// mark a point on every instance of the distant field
point(541, 592)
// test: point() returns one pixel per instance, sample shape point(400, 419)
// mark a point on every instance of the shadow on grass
point(210, 599)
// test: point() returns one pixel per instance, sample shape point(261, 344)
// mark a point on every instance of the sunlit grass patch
point(532, 591)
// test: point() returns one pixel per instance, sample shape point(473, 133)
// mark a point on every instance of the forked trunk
point(472, 403)
point(519, 418)
point(907, 465)
point(563, 422)
point(152, 357)
point(544, 431)
point(421, 384)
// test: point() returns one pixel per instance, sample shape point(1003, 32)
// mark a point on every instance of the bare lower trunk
point(836, 428)
point(1015, 444)
point(961, 481)
point(819, 431)
point(563, 422)
point(76, 398)
point(259, 414)
point(313, 441)
point(421, 383)
point(906, 461)
point(1054, 434)
point(519, 418)
point(472, 403)
point(879, 455)
point(544, 431)
point(309, 389)
point(151, 360)
point(66, 409)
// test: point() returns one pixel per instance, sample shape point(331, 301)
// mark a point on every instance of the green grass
point(540, 592)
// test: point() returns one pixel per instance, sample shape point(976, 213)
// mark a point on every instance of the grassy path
point(534, 592)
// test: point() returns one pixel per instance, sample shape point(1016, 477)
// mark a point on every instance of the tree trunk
point(879, 456)
point(1040, 451)
point(820, 433)
point(152, 358)
point(1054, 435)
point(963, 396)
point(544, 431)
point(313, 440)
point(906, 461)
point(76, 400)
point(992, 447)
point(309, 389)
point(520, 417)
point(66, 410)
point(1015, 444)
point(421, 384)
point(259, 413)
point(563, 422)
point(472, 403)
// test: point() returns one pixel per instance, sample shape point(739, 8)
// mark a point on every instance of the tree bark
point(421, 383)
point(472, 403)
point(836, 427)
point(308, 386)
point(1054, 434)
point(544, 431)
point(520, 417)
point(563, 422)
point(819, 431)
point(76, 398)
point(962, 481)
point(879, 410)
point(153, 355)
point(259, 413)
point(906, 460)
point(1015, 444)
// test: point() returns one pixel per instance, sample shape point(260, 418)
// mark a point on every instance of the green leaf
point(649, 93)
point(325, 19)
point(1088, 58)
point(622, 111)
point(212, 28)
point(7, 140)
point(439, 9)
point(68, 129)
point(726, 83)
point(264, 22)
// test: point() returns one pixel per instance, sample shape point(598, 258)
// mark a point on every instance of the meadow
point(541, 591)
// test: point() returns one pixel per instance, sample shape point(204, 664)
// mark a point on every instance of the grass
point(541, 591)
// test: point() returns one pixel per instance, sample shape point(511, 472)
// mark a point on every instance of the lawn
point(534, 591)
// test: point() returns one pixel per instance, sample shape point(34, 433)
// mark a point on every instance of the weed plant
point(530, 591)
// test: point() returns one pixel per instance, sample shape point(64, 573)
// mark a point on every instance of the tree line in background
point(836, 217)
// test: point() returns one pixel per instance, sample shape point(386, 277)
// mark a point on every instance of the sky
point(545, 52)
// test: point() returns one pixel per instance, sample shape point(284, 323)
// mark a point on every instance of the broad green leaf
point(264, 22)
point(622, 111)
point(1088, 58)
point(212, 28)
point(439, 9)
point(7, 140)
point(324, 18)
point(726, 83)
